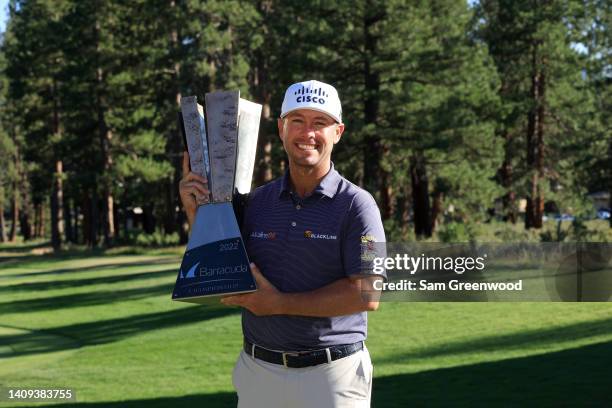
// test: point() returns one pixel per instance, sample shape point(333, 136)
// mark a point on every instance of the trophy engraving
point(222, 112)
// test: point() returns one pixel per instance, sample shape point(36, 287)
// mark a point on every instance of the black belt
point(304, 358)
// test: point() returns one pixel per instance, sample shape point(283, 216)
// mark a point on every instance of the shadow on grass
point(84, 299)
point(25, 247)
point(537, 337)
point(217, 400)
point(78, 269)
point(107, 331)
point(23, 253)
point(574, 377)
point(75, 283)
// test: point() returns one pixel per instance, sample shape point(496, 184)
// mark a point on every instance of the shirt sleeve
point(364, 238)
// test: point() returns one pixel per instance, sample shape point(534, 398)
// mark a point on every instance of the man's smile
point(302, 146)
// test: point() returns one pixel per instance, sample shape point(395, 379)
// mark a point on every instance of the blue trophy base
point(216, 262)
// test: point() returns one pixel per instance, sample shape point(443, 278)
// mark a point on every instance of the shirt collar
point(327, 187)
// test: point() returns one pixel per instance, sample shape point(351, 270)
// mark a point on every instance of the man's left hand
point(265, 301)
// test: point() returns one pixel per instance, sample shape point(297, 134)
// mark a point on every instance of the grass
point(103, 324)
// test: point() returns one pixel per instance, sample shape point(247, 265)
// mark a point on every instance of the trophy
point(222, 141)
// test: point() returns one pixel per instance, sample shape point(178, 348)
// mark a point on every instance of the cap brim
point(339, 120)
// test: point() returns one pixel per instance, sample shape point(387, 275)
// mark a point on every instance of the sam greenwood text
point(424, 285)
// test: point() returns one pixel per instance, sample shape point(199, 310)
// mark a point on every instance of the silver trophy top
point(222, 147)
point(248, 129)
point(222, 117)
point(195, 133)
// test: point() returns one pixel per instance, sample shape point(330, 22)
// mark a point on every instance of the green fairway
point(103, 325)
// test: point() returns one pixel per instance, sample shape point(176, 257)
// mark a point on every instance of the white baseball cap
point(313, 95)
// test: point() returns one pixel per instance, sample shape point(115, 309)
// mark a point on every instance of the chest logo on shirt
point(263, 235)
point(312, 235)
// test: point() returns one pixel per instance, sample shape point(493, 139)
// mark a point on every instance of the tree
point(418, 93)
point(33, 67)
point(590, 22)
point(544, 96)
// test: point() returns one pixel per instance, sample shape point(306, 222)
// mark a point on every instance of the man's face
point(309, 137)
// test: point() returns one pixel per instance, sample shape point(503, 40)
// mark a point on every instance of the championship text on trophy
point(221, 145)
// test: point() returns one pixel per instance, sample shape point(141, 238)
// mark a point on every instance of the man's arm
point(342, 297)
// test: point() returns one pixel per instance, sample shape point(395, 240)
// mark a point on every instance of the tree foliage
point(450, 109)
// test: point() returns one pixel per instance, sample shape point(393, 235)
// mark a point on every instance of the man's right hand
point(193, 190)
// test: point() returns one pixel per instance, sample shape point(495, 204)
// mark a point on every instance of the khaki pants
point(346, 382)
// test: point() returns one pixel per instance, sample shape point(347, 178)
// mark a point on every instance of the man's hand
point(193, 190)
point(265, 301)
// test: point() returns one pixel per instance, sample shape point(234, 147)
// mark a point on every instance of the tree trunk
point(404, 208)
point(105, 135)
point(535, 146)
point(2, 225)
point(94, 223)
point(420, 196)
point(505, 173)
point(39, 220)
point(77, 224)
point(107, 197)
point(436, 209)
point(86, 224)
point(109, 218)
point(57, 208)
point(69, 235)
point(15, 189)
point(36, 221)
point(43, 221)
point(25, 225)
point(125, 220)
point(26, 212)
point(148, 219)
point(116, 222)
point(263, 94)
point(57, 192)
point(14, 213)
point(372, 153)
point(90, 220)
point(376, 179)
point(174, 146)
point(263, 174)
point(386, 193)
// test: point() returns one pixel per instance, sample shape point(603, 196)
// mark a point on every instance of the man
point(304, 328)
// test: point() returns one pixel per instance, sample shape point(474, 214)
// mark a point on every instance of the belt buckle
point(285, 357)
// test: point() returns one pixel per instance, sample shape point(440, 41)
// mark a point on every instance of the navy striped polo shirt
point(301, 244)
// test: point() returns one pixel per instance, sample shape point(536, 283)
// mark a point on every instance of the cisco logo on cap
point(313, 95)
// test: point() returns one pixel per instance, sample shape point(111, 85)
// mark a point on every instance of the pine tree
point(33, 68)
point(545, 99)
point(418, 99)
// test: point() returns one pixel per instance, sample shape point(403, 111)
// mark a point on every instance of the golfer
point(305, 326)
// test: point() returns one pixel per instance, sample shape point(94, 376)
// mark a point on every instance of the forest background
point(486, 120)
